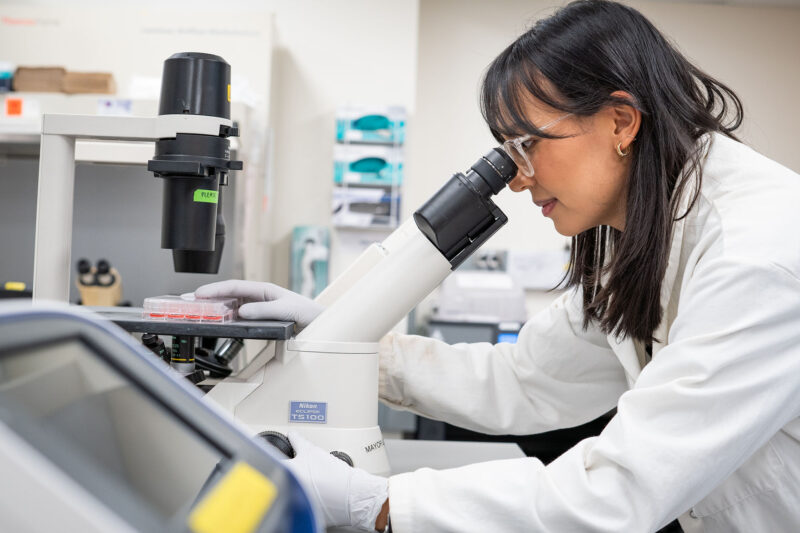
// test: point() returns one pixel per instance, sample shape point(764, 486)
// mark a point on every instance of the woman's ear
point(627, 120)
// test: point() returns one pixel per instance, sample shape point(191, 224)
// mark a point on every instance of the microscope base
point(326, 391)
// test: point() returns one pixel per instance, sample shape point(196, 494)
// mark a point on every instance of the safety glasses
point(519, 148)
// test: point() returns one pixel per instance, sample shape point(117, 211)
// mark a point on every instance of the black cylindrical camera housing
point(189, 224)
point(195, 84)
point(203, 262)
point(194, 166)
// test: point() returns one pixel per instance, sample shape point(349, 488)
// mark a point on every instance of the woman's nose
point(520, 182)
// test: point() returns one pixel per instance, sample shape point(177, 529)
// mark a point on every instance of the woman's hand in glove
point(264, 301)
point(346, 495)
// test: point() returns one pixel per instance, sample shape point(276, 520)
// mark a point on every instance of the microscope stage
point(130, 319)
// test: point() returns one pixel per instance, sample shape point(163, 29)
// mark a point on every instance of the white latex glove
point(264, 301)
point(346, 495)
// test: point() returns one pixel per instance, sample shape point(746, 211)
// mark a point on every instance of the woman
point(683, 310)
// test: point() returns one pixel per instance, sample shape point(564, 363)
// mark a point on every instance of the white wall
point(328, 54)
point(753, 50)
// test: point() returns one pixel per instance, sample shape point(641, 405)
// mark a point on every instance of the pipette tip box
point(189, 309)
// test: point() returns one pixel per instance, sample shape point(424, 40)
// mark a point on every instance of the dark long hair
point(573, 61)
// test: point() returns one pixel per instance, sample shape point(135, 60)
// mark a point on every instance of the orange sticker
point(13, 107)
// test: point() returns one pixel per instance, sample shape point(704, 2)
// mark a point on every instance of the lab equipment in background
point(363, 164)
point(324, 382)
point(371, 124)
point(99, 285)
point(357, 207)
point(310, 257)
point(480, 295)
point(186, 308)
point(105, 275)
point(15, 289)
point(85, 272)
point(6, 76)
point(455, 331)
point(192, 155)
point(97, 436)
point(541, 270)
point(368, 167)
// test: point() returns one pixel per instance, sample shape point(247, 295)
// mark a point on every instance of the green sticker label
point(205, 195)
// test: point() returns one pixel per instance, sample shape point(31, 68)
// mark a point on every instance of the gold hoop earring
point(620, 152)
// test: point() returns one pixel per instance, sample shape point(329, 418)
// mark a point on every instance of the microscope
point(96, 434)
point(192, 156)
point(324, 381)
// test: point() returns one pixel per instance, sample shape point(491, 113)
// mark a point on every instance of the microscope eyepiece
point(461, 215)
point(496, 168)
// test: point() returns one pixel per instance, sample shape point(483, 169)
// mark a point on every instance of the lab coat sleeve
point(557, 375)
point(722, 387)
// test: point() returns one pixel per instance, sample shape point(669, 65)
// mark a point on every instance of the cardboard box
point(39, 79)
point(88, 82)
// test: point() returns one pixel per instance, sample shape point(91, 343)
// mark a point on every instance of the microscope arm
point(390, 278)
point(379, 288)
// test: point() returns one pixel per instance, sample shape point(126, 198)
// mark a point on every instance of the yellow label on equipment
point(229, 92)
point(14, 286)
point(237, 504)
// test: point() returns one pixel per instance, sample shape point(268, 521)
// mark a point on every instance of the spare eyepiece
point(194, 166)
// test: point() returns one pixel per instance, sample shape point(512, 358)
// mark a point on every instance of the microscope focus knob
point(343, 456)
point(280, 441)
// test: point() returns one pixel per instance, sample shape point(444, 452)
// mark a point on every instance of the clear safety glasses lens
point(514, 149)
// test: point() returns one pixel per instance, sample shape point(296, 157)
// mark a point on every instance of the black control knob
point(343, 456)
point(204, 359)
point(280, 441)
point(156, 345)
point(196, 376)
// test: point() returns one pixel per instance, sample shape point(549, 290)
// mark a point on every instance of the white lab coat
point(709, 429)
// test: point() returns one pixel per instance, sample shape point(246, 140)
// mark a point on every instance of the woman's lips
point(547, 205)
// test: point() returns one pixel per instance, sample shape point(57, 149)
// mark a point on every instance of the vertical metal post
point(56, 188)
